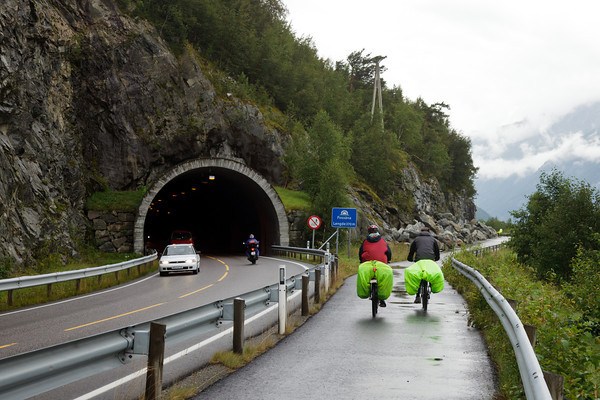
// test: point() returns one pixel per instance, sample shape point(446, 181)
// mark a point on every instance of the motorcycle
point(251, 251)
point(252, 254)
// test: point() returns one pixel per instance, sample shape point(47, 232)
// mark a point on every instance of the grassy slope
point(564, 344)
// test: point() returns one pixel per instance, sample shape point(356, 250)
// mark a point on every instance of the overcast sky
point(507, 69)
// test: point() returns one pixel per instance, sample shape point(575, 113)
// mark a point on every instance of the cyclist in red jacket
point(374, 247)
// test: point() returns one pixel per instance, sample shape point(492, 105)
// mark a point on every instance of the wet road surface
point(343, 353)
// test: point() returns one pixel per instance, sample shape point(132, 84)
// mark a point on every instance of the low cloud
point(526, 157)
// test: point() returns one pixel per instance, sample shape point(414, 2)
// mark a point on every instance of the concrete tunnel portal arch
point(220, 201)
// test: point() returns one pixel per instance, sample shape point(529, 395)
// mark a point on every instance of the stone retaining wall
point(112, 231)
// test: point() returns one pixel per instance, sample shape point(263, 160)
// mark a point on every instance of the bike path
point(343, 353)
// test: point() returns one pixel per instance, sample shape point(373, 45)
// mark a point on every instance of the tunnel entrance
point(219, 201)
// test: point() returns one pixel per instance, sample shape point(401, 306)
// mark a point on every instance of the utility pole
point(377, 89)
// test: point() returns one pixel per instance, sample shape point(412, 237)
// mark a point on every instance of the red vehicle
point(181, 237)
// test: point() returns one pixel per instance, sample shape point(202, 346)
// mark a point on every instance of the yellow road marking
point(195, 291)
point(115, 317)
point(206, 287)
point(156, 305)
point(226, 268)
point(7, 345)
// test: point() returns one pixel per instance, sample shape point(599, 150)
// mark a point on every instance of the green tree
point(376, 155)
point(324, 142)
point(333, 181)
point(252, 42)
point(560, 216)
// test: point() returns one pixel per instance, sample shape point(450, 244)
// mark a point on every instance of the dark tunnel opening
point(219, 206)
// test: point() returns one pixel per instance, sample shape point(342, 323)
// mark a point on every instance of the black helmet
point(373, 228)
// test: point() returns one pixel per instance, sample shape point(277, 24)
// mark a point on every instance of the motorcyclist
point(424, 247)
point(374, 247)
point(252, 242)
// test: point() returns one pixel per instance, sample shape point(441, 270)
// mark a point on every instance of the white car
point(179, 258)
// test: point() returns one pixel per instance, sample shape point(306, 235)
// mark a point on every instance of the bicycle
point(425, 290)
point(374, 296)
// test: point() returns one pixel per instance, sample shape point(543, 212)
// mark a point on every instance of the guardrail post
point(77, 285)
point(282, 306)
point(530, 330)
point(239, 317)
point(327, 274)
point(317, 285)
point(555, 384)
point(156, 355)
point(48, 290)
point(305, 282)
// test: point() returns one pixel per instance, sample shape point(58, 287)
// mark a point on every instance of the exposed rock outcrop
point(90, 98)
point(450, 217)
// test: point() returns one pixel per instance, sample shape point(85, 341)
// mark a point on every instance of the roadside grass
point(564, 343)
point(110, 200)
point(88, 258)
point(293, 199)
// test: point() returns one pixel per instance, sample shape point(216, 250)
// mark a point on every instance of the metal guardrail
point(529, 368)
point(56, 277)
point(39, 371)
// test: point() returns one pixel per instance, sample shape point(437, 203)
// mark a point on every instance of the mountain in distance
point(499, 196)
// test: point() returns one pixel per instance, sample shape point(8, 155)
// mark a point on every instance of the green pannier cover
point(382, 272)
point(423, 269)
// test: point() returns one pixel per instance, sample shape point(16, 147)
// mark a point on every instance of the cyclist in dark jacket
point(424, 247)
point(374, 247)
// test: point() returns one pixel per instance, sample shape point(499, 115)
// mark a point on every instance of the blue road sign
point(343, 217)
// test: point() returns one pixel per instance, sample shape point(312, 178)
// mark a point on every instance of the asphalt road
point(146, 299)
point(343, 353)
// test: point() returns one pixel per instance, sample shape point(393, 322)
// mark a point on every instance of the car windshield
point(181, 235)
point(178, 250)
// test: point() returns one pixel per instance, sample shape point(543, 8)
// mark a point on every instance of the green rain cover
point(423, 269)
point(382, 272)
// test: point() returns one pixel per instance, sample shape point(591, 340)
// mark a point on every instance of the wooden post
point(530, 330)
point(117, 276)
point(156, 355)
point(317, 285)
point(305, 282)
point(555, 384)
point(239, 306)
point(77, 285)
point(512, 303)
point(48, 290)
point(10, 297)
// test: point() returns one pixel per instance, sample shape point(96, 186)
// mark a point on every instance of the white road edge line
point(78, 297)
point(175, 356)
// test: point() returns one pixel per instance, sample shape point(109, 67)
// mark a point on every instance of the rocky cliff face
point(449, 216)
point(90, 98)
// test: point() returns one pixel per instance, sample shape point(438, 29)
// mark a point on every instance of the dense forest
point(327, 105)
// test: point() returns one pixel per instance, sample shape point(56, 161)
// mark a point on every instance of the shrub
point(565, 343)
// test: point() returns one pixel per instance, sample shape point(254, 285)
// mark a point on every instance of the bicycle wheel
point(424, 294)
point(374, 298)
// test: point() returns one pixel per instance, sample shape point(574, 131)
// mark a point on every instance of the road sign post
point(314, 223)
point(343, 218)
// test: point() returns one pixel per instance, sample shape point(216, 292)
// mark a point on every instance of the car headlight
point(190, 261)
point(163, 262)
